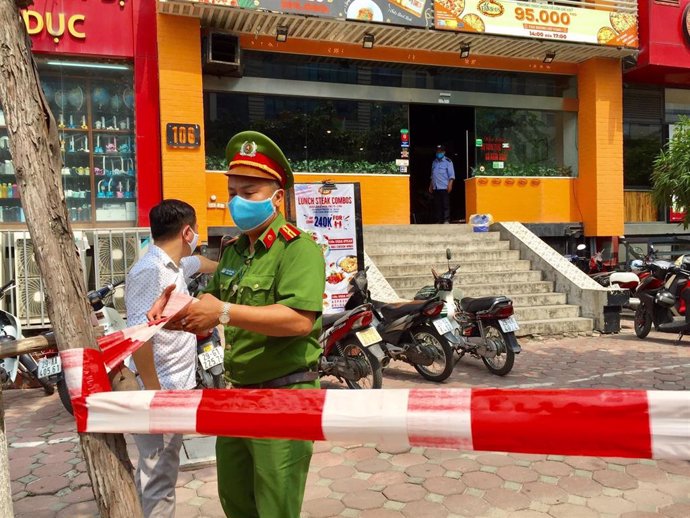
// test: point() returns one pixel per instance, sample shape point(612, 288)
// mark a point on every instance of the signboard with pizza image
point(537, 20)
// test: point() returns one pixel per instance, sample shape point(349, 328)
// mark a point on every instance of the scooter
point(10, 330)
point(664, 297)
point(352, 350)
point(409, 331)
point(483, 327)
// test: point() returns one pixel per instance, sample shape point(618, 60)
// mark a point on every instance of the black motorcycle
point(408, 331)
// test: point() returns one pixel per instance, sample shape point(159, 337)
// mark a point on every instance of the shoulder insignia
point(269, 239)
point(289, 232)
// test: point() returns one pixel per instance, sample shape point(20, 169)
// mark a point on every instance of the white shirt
point(174, 352)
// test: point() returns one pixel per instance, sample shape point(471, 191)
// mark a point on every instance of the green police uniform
point(266, 478)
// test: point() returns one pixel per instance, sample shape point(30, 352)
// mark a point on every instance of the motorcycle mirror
point(449, 256)
point(581, 247)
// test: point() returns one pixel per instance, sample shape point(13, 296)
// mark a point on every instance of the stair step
point(443, 240)
point(465, 267)
point(555, 326)
point(487, 290)
point(556, 312)
point(467, 279)
point(419, 229)
point(538, 299)
point(421, 247)
point(439, 257)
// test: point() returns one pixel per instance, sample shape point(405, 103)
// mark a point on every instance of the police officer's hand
point(156, 311)
point(200, 316)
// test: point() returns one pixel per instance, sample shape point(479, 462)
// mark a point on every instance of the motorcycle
point(482, 327)
point(352, 349)
point(409, 331)
point(664, 296)
point(10, 330)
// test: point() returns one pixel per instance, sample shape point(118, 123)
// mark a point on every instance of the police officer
point(268, 293)
point(442, 177)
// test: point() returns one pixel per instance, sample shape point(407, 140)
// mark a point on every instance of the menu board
point(538, 20)
point(331, 215)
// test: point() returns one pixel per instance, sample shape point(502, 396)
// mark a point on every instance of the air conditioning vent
point(221, 54)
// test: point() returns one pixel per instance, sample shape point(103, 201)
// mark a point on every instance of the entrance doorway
point(453, 127)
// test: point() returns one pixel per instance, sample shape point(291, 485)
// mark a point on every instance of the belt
point(290, 379)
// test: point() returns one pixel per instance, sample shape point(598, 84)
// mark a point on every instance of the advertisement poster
point(331, 215)
point(538, 20)
point(413, 13)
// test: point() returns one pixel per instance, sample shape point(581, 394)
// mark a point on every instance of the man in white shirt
point(168, 361)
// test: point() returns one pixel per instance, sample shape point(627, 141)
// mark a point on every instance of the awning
point(246, 22)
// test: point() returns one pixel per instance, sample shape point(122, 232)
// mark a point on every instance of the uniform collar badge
point(248, 148)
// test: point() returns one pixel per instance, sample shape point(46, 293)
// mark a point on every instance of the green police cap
point(257, 151)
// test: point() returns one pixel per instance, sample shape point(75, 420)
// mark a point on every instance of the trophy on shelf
point(84, 126)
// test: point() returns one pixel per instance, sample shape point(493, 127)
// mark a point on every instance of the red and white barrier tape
point(610, 423)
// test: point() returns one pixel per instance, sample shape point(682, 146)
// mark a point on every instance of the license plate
point(49, 367)
point(509, 324)
point(211, 358)
point(443, 326)
point(368, 336)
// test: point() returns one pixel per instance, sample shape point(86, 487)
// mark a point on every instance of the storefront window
point(94, 110)
point(525, 143)
point(317, 135)
point(641, 145)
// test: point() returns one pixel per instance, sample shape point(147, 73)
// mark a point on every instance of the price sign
point(183, 135)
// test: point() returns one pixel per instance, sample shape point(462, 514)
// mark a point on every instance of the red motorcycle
point(352, 348)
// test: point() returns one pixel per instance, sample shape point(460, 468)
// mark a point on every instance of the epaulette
point(289, 232)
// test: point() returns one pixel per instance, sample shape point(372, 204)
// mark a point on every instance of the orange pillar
point(181, 101)
point(600, 128)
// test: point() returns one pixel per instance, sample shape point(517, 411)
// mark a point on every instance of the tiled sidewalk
point(49, 478)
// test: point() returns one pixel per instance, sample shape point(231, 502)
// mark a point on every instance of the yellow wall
point(181, 101)
point(528, 200)
point(385, 198)
point(599, 187)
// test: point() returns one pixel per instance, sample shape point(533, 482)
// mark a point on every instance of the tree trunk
point(35, 147)
point(5, 489)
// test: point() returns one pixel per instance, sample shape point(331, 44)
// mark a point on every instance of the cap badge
point(248, 148)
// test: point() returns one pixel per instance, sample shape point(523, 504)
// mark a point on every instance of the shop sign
point(494, 150)
point(537, 20)
point(97, 28)
point(415, 13)
point(332, 217)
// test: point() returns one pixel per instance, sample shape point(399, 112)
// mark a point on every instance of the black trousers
point(441, 205)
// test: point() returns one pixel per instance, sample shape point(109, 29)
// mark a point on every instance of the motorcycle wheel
point(219, 381)
point(374, 377)
point(502, 363)
point(643, 324)
point(63, 392)
point(31, 371)
point(443, 364)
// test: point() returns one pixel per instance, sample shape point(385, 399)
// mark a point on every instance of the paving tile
point(212, 509)
point(373, 465)
point(52, 470)
point(461, 464)
point(466, 505)
point(425, 470)
point(196, 484)
point(379, 513)
point(676, 510)
point(81, 510)
point(517, 474)
point(393, 449)
point(646, 498)
point(407, 459)
point(184, 494)
point(444, 486)
point(364, 500)
point(349, 485)
point(337, 472)
point(614, 479)
point(572, 511)
point(404, 492)
point(386, 478)
point(206, 490)
point(610, 505)
point(47, 485)
point(440, 454)
point(480, 480)
point(186, 511)
point(80, 480)
point(580, 486)
point(184, 477)
point(646, 473)
point(506, 499)
point(639, 514)
point(207, 474)
point(424, 509)
point(528, 513)
point(495, 459)
point(20, 471)
point(322, 460)
point(358, 454)
point(314, 492)
point(553, 469)
point(82, 494)
point(676, 467)
point(30, 504)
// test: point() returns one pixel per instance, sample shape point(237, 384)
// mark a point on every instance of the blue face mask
point(248, 214)
point(440, 155)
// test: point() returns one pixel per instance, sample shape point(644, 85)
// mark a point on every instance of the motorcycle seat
point(480, 304)
point(328, 320)
point(396, 310)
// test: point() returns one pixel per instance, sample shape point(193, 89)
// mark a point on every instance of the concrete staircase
point(406, 254)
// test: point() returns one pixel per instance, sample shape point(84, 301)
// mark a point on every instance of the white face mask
point(194, 242)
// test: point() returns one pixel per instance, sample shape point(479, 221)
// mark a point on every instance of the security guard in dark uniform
point(442, 178)
point(268, 293)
